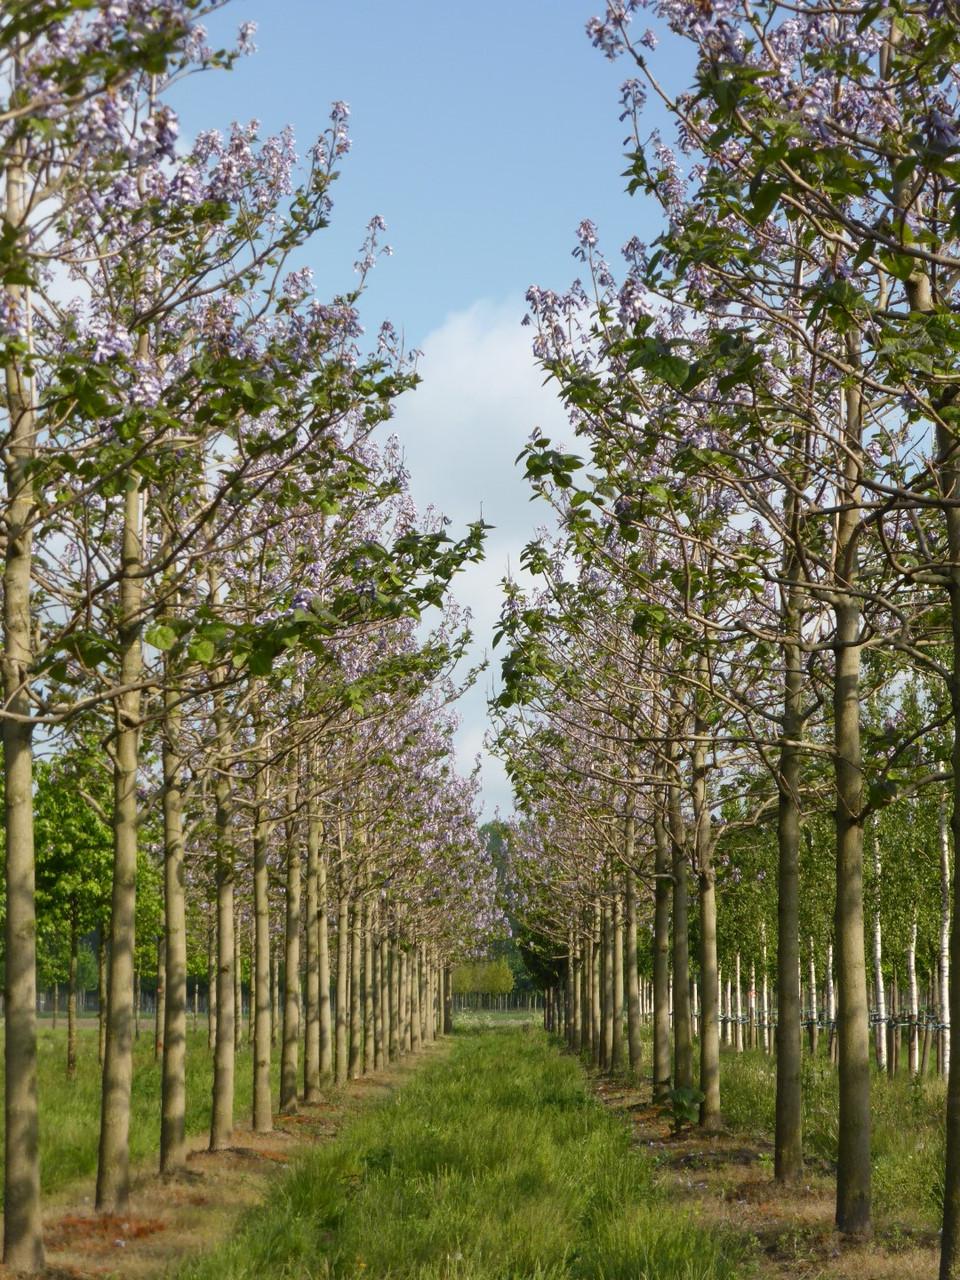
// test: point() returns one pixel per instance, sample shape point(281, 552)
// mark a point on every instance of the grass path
point(493, 1162)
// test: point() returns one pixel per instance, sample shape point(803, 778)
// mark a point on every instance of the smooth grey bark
point(853, 1162)
point(634, 1041)
point(262, 1005)
point(72, 1001)
point(311, 1049)
point(291, 958)
point(663, 892)
point(211, 987)
point(707, 884)
point(113, 1164)
point(343, 965)
point(616, 926)
point(323, 971)
point(22, 1237)
point(356, 991)
point(943, 967)
point(682, 1035)
point(788, 1131)
point(224, 1053)
point(160, 998)
point(173, 1104)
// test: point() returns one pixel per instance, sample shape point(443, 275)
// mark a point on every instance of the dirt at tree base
point(726, 1180)
point(170, 1219)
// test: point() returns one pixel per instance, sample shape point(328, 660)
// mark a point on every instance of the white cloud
point(482, 394)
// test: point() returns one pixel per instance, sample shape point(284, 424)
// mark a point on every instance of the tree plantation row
point(731, 693)
point(228, 648)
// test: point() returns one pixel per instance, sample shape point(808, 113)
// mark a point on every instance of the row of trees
point(213, 589)
point(745, 648)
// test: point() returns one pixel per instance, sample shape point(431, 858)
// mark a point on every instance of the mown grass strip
point(493, 1163)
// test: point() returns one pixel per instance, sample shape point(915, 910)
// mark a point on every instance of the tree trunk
point(211, 989)
point(173, 1148)
point(943, 983)
point(356, 990)
point(72, 1003)
point(853, 1163)
point(22, 1237)
point(263, 958)
point(379, 1042)
point(616, 925)
point(224, 1055)
point(113, 1165)
point(682, 1036)
point(291, 961)
point(913, 996)
point(343, 963)
point(606, 935)
point(881, 1025)
point(707, 881)
point(415, 1000)
point(663, 891)
point(159, 1013)
point(630, 950)
point(237, 979)
point(323, 967)
point(311, 1048)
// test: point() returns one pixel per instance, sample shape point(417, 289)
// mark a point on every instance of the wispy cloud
point(481, 396)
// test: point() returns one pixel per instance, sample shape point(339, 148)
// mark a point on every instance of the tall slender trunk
point(101, 995)
point(160, 998)
point(943, 976)
point(606, 935)
point(369, 1028)
point(211, 988)
point(224, 1054)
point(72, 1001)
point(879, 987)
point(415, 1000)
point(356, 990)
point(853, 1162)
point(173, 1148)
point(237, 979)
point(682, 1035)
point(113, 1165)
point(386, 1011)
point(343, 963)
point(913, 996)
point(323, 970)
point(707, 880)
point(22, 1236)
point(630, 955)
point(379, 1007)
point(616, 928)
point(291, 959)
point(663, 892)
point(812, 1002)
point(311, 1048)
point(262, 1010)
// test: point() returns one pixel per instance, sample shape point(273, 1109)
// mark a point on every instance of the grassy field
point(70, 1110)
point(492, 1163)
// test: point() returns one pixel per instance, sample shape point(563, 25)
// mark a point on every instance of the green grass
point(70, 1110)
point(492, 1163)
point(907, 1137)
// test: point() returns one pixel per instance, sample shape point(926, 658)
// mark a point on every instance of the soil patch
point(727, 1181)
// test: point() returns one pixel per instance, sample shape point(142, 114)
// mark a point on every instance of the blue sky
point(483, 133)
